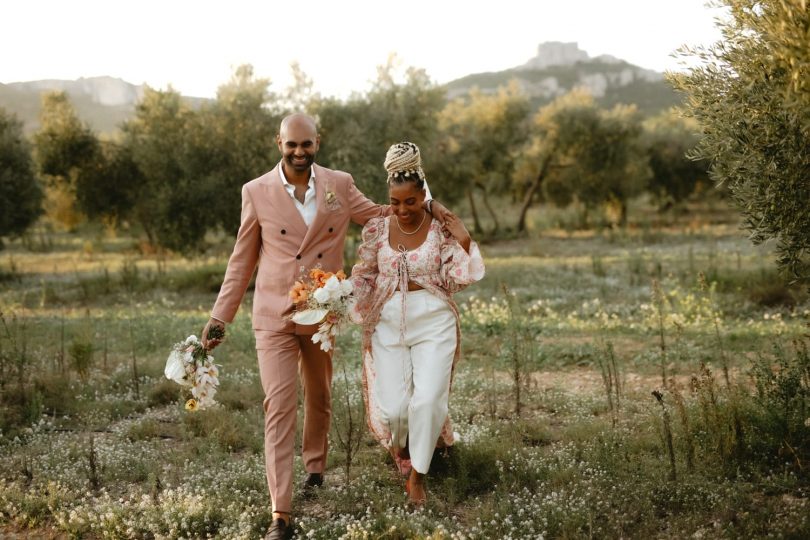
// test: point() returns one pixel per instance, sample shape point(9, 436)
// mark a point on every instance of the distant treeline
point(177, 170)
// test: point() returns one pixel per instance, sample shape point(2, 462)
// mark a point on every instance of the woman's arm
point(364, 273)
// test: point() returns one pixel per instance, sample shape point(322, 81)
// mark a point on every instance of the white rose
point(332, 286)
point(346, 287)
point(321, 295)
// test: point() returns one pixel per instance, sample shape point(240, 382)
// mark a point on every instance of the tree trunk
point(491, 212)
point(529, 197)
point(623, 213)
point(585, 217)
point(476, 222)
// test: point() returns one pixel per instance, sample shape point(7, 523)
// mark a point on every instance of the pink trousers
point(282, 357)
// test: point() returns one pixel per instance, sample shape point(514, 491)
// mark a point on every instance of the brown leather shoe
point(280, 530)
point(311, 482)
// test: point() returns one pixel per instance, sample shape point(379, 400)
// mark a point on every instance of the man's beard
point(309, 160)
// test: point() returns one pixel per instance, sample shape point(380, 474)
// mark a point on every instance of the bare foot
point(415, 487)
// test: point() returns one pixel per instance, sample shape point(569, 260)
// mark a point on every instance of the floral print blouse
point(439, 265)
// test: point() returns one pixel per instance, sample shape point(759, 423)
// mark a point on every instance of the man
point(293, 217)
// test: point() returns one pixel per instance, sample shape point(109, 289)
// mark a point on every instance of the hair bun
point(404, 159)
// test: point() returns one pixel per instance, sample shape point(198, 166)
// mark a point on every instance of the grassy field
point(561, 436)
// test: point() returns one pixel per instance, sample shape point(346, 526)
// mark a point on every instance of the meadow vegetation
point(652, 381)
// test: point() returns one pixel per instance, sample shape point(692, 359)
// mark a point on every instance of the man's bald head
point(297, 120)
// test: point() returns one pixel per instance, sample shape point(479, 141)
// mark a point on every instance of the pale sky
point(194, 45)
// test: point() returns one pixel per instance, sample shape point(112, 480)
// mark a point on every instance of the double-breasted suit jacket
point(273, 235)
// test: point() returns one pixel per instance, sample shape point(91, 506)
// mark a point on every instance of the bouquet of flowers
point(322, 297)
point(189, 364)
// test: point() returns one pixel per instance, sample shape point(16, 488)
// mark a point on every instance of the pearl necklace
point(424, 216)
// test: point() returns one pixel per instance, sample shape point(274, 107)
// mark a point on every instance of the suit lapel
point(284, 205)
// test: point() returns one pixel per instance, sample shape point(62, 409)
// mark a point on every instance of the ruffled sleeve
point(364, 273)
point(460, 268)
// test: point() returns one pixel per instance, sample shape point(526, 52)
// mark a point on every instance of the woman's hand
point(456, 228)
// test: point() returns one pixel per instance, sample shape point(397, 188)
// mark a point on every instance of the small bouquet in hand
point(322, 297)
point(189, 364)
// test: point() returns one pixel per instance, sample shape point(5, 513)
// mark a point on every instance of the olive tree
point(20, 192)
point(751, 94)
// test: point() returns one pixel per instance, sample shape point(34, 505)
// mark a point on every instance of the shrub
point(81, 357)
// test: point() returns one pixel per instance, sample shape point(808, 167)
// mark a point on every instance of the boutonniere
point(331, 199)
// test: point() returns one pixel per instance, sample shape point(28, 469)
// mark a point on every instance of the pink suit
point(274, 236)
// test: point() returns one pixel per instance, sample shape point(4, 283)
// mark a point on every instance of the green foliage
point(568, 467)
point(65, 147)
point(166, 205)
point(230, 431)
point(667, 139)
point(229, 142)
point(581, 152)
point(63, 142)
point(20, 193)
point(479, 142)
point(165, 392)
point(355, 134)
point(751, 93)
point(81, 357)
point(176, 169)
point(185, 167)
point(143, 430)
point(108, 186)
point(783, 399)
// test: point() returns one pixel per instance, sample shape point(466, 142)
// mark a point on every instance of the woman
point(409, 268)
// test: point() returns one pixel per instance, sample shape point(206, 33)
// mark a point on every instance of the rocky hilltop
point(560, 67)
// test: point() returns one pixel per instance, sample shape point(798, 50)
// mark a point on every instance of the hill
point(102, 102)
point(560, 67)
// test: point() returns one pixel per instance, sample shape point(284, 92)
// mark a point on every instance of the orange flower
point(341, 274)
point(315, 274)
point(299, 292)
point(319, 277)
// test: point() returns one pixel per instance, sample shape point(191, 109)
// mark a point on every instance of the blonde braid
point(403, 160)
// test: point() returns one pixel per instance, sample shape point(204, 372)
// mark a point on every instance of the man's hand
point(439, 211)
point(210, 344)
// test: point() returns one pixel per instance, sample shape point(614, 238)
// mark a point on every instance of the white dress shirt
point(309, 207)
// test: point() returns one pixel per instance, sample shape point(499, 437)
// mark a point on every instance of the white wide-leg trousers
point(412, 382)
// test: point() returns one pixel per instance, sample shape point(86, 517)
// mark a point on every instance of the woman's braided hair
point(404, 164)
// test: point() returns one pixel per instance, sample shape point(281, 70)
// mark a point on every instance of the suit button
point(298, 257)
point(331, 229)
point(283, 231)
point(320, 255)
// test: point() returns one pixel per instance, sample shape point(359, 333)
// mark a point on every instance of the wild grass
point(559, 433)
